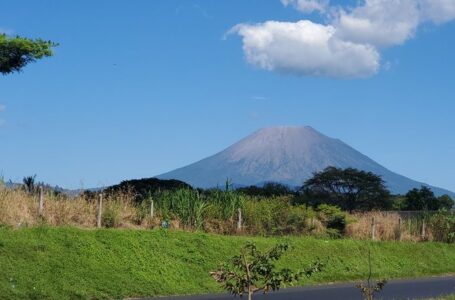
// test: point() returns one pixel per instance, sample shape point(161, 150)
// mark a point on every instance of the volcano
point(287, 155)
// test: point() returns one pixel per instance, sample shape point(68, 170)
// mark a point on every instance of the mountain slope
point(288, 155)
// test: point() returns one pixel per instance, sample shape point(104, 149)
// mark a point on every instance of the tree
point(424, 199)
point(269, 189)
point(445, 202)
point(370, 288)
point(253, 271)
point(29, 184)
point(17, 52)
point(349, 189)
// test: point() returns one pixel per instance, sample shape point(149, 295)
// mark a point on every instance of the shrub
point(442, 226)
point(333, 218)
point(110, 218)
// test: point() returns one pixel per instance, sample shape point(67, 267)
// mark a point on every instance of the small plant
point(110, 218)
point(253, 271)
point(369, 288)
point(29, 184)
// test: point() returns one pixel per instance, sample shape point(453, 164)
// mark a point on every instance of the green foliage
point(253, 271)
point(143, 188)
point(70, 263)
point(17, 52)
point(349, 189)
point(276, 216)
point(29, 184)
point(424, 199)
point(443, 225)
point(268, 190)
point(185, 204)
point(370, 288)
point(110, 217)
point(333, 219)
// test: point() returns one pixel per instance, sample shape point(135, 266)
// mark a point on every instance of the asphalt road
point(396, 289)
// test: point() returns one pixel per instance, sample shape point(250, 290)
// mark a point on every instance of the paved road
point(396, 289)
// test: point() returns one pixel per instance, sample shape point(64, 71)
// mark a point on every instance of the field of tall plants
point(220, 211)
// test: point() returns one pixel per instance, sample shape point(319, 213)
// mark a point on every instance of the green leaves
point(350, 189)
point(253, 270)
point(17, 52)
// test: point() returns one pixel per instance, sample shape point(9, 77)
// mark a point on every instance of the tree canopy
point(269, 189)
point(424, 199)
point(17, 52)
point(350, 189)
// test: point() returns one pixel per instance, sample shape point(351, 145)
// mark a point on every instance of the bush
point(333, 218)
point(276, 216)
point(442, 226)
point(110, 218)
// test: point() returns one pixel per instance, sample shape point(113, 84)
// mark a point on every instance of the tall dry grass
point(388, 227)
point(190, 211)
point(19, 208)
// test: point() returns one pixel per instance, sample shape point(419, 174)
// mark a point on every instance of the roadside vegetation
point(47, 262)
point(273, 210)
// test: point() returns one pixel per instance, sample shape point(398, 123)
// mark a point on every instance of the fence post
point(239, 222)
point(100, 210)
point(151, 209)
point(399, 228)
point(373, 228)
point(423, 230)
point(41, 201)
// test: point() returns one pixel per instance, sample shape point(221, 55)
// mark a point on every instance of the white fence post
point(100, 210)
point(373, 229)
point(152, 210)
point(239, 222)
point(41, 201)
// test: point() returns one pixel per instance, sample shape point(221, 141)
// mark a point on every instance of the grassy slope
point(69, 263)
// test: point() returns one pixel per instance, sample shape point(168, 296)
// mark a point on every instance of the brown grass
point(387, 227)
point(19, 208)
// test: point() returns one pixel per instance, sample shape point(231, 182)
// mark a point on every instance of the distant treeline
point(349, 189)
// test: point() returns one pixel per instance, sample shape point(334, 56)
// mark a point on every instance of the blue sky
point(139, 88)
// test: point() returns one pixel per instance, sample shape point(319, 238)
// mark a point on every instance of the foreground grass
point(70, 263)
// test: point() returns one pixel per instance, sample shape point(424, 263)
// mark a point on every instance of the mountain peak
point(284, 154)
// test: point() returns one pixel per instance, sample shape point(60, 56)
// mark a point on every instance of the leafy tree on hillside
point(424, 199)
point(17, 52)
point(445, 202)
point(350, 189)
point(254, 271)
point(269, 189)
point(143, 188)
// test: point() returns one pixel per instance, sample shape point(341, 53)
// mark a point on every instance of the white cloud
point(381, 23)
point(305, 48)
point(308, 6)
point(348, 46)
point(437, 11)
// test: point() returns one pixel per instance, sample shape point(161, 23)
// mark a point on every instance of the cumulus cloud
point(381, 23)
point(437, 11)
point(305, 48)
point(348, 46)
point(308, 6)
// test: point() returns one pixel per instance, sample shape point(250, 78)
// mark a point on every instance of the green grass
point(70, 263)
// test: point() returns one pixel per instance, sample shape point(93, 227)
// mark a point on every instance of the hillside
point(69, 263)
point(288, 155)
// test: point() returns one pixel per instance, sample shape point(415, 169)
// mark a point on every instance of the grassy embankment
point(70, 263)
